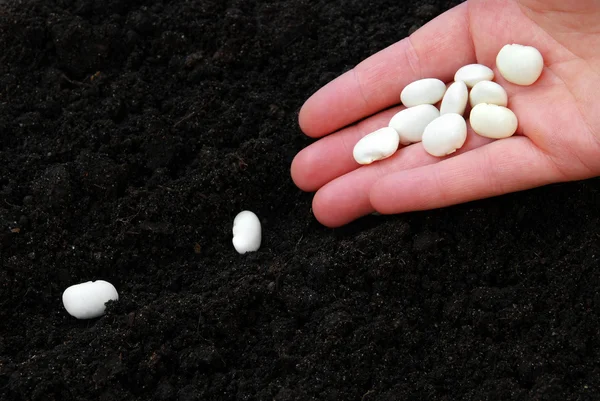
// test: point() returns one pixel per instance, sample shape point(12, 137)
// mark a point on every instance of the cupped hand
point(558, 138)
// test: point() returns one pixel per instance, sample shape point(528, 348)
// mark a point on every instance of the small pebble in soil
point(247, 234)
point(411, 122)
point(377, 145)
point(488, 92)
point(87, 300)
point(455, 99)
point(445, 135)
point(519, 64)
point(470, 74)
point(493, 121)
point(423, 91)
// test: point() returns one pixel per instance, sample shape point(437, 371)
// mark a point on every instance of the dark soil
point(132, 132)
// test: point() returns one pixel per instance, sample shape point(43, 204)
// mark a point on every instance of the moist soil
point(132, 133)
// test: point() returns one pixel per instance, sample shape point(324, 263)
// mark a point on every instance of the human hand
point(558, 138)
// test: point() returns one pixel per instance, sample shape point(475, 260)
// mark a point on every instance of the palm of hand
point(559, 125)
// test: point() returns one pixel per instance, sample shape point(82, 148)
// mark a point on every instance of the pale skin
point(558, 138)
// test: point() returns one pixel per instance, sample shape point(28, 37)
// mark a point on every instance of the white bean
point(493, 121)
point(377, 145)
point(423, 91)
point(521, 65)
point(445, 135)
point(247, 235)
point(87, 300)
point(455, 99)
point(470, 74)
point(411, 122)
point(488, 92)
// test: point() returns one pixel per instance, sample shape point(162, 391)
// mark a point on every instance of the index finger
point(436, 50)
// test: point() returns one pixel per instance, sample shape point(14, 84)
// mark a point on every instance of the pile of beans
point(442, 131)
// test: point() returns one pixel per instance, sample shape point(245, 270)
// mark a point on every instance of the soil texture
point(132, 133)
